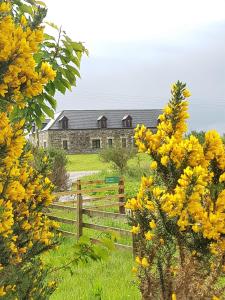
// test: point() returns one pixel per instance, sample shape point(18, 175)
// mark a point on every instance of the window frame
point(95, 140)
point(64, 123)
point(67, 145)
point(108, 144)
point(127, 122)
point(102, 122)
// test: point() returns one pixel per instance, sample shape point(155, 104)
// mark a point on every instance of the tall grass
point(110, 279)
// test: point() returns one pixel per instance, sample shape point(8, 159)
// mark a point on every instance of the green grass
point(85, 162)
point(110, 279)
point(89, 162)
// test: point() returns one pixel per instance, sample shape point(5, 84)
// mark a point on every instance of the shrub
point(56, 161)
point(179, 212)
point(118, 156)
point(25, 231)
point(200, 135)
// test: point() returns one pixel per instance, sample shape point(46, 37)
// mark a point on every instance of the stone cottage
point(87, 131)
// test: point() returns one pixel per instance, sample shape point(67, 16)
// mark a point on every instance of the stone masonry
point(80, 141)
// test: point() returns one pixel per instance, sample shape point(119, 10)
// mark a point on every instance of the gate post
point(121, 199)
point(79, 210)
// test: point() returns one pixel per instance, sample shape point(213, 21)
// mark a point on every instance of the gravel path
point(73, 177)
point(77, 175)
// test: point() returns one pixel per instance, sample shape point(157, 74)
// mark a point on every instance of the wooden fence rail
point(92, 211)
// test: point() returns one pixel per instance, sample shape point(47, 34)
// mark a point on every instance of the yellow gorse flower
point(18, 45)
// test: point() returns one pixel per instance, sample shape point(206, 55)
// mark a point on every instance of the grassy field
point(110, 279)
point(87, 162)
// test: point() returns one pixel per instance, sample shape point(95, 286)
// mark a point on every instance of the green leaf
point(41, 3)
point(49, 45)
point(70, 76)
point(59, 86)
point(73, 70)
point(48, 37)
point(77, 46)
point(26, 9)
point(66, 84)
point(52, 25)
point(75, 61)
point(50, 88)
point(51, 100)
point(49, 112)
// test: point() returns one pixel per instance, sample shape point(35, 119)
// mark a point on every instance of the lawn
point(110, 279)
point(85, 162)
point(88, 162)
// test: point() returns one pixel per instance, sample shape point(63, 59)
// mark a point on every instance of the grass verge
point(110, 279)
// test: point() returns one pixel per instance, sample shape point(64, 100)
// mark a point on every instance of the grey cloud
point(138, 75)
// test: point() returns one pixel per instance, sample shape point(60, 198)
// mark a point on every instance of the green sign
point(114, 179)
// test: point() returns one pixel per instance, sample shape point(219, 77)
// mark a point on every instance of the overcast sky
point(138, 48)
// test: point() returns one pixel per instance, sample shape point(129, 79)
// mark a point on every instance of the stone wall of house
point(81, 141)
point(40, 138)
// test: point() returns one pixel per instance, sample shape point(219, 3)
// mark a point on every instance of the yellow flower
point(47, 181)
point(134, 270)
point(138, 260)
point(5, 7)
point(157, 191)
point(222, 178)
point(23, 21)
point(144, 262)
point(164, 160)
point(174, 297)
point(153, 165)
point(152, 224)
point(2, 291)
point(186, 93)
point(45, 159)
point(135, 229)
point(47, 71)
point(149, 235)
point(215, 298)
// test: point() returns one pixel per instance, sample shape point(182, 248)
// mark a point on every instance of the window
point(102, 122)
point(45, 144)
point(96, 144)
point(63, 123)
point(124, 142)
point(65, 144)
point(127, 121)
point(110, 143)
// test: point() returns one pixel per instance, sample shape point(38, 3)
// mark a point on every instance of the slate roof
point(87, 119)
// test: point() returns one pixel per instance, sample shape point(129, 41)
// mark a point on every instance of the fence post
point(121, 192)
point(79, 210)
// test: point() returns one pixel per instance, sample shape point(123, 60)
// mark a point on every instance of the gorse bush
point(179, 212)
point(25, 231)
point(30, 75)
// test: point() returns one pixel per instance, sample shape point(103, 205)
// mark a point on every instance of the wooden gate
point(93, 198)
